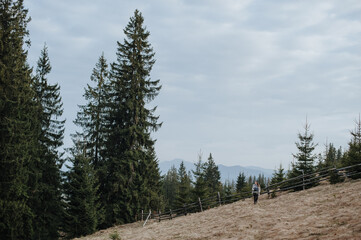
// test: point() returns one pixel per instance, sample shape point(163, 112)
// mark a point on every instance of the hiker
point(256, 191)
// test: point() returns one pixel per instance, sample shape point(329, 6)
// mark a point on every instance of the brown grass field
point(324, 212)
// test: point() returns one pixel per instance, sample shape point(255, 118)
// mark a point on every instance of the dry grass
point(323, 212)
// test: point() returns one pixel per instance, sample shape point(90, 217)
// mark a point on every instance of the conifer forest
point(112, 171)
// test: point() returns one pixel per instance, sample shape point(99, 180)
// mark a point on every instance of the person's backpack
point(255, 188)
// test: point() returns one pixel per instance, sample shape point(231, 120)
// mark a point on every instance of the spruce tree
point(339, 156)
point(353, 155)
point(80, 190)
point(92, 116)
point(305, 157)
point(241, 183)
point(149, 182)
point(92, 119)
point(262, 181)
point(18, 124)
point(250, 181)
point(46, 199)
point(212, 176)
point(133, 179)
point(200, 189)
point(170, 187)
point(228, 189)
point(330, 157)
point(184, 187)
point(278, 176)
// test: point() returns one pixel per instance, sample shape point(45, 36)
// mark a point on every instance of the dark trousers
point(255, 197)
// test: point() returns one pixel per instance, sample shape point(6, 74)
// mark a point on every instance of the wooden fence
point(297, 183)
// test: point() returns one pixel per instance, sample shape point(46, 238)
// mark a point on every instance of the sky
point(239, 77)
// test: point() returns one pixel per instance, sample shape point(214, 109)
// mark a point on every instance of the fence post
point(184, 209)
point(150, 212)
point(142, 215)
point(170, 212)
point(303, 179)
point(159, 213)
point(219, 199)
point(200, 204)
point(267, 190)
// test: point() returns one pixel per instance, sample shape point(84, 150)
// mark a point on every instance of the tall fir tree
point(80, 191)
point(92, 116)
point(331, 157)
point(46, 200)
point(305, 157)
point(184, 187)
point(212, 176)
point(241, 184)
point(262, 181)
point(200, 189)
point(18, 124)
point(170, 188)
point(132, 169)
point(339, 156)
point(278, 175)
point(92, 119)
point(353, 155)
point(229, 187)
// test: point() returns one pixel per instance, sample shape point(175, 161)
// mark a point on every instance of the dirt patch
point(323, 212)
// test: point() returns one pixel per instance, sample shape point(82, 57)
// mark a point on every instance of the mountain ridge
point(227, 172)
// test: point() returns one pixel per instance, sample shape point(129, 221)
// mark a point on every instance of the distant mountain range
point(227, 172)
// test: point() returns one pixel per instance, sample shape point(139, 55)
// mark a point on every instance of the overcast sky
point(239, 76)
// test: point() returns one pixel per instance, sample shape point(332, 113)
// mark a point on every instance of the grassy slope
point(323, 212)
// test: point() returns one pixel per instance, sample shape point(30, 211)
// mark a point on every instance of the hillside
point(323, 212)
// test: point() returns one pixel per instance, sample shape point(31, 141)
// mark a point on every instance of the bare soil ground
point(324, 212)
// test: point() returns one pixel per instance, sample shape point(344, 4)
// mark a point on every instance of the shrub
point(114, 236)
point(335, 177)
